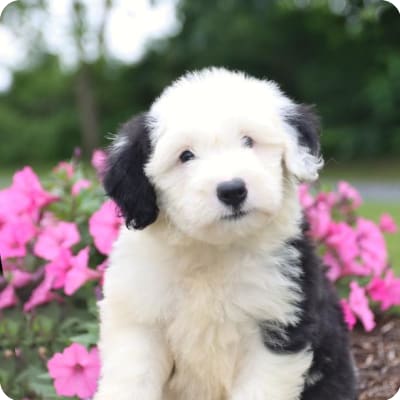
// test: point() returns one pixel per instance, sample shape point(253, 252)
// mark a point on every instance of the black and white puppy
point(216, 293)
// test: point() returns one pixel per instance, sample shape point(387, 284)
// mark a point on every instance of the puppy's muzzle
point(232, 193)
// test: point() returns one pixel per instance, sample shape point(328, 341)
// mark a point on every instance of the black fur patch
point(321, 328)
point(124, 178)
point(307, 124)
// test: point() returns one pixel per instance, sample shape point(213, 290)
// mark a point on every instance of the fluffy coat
point(208, 299)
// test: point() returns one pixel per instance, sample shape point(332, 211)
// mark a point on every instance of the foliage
point(54, 245)
point(37, 116)
point(55, 237)
point(345, 60)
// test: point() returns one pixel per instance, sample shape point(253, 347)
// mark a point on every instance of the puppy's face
point(219, 177)
point(215, 154)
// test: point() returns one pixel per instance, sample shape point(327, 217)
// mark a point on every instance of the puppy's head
point(218, 154)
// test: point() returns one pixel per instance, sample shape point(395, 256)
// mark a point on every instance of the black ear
point(307, 124)
point(125, 180)
point(302, 155)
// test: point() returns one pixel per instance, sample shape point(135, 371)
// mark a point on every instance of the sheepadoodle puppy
point(213, 290)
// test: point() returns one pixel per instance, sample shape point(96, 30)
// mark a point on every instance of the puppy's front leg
point(265, 375)
point(135, 361)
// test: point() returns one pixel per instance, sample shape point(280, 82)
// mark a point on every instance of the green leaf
point(7, 370)
point(86, 339)
point(43, 386)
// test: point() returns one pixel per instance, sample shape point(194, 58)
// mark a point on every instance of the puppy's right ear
point(124, 178)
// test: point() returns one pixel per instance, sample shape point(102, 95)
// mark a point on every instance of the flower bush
point(354, 251)
point(55, 237)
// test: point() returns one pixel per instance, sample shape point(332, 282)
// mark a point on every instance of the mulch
point(377, 356)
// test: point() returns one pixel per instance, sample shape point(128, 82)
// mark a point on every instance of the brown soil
point(377, 356)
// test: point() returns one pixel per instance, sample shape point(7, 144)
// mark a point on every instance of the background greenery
point(343, 56)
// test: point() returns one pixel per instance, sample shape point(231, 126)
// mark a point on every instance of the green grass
point(374, 211)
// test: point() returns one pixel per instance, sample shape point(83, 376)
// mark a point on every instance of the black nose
point(232, 193)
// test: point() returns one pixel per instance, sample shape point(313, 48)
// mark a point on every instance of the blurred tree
point(80, 29)
point(342, 55)
point(38, 117)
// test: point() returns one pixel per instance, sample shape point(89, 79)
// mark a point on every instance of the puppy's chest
point(204, 339)
point(209, 321)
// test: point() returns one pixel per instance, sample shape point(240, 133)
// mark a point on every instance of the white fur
point(184, 296)
point(195, 308)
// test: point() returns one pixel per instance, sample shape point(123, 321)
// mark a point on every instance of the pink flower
point(355, 267)
point(71, 272)
point(387, 224)
point(79, 185)
point(360, 250)
point(342, 240)
point(104, 226)
point(48, 219)
point(21, 278)
point(65, 167)
point(41, 295)
point(334, 268)
point(319, 218)
point(306, 199)
point(348, 315)
point(27, 183)
point(372, 246)
point(8, 297)
point(98, 161)
point(359, 305)
point(75, 371)
point(349, 194)
point(12, 204)
point(53, 238)
point(14, 237)
point(79, 273)
point(386, 290)
point(329, 199)
point(3, 216)
point(58, 268)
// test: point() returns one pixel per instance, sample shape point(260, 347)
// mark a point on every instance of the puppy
point(215, 293)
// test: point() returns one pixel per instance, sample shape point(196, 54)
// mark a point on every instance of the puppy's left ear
point(125, 180)
point(302, 156)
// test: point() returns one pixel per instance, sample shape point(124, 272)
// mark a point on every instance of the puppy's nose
point(232, 193)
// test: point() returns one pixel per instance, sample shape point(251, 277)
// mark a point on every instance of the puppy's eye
point(186, 156)
point(247, 141)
